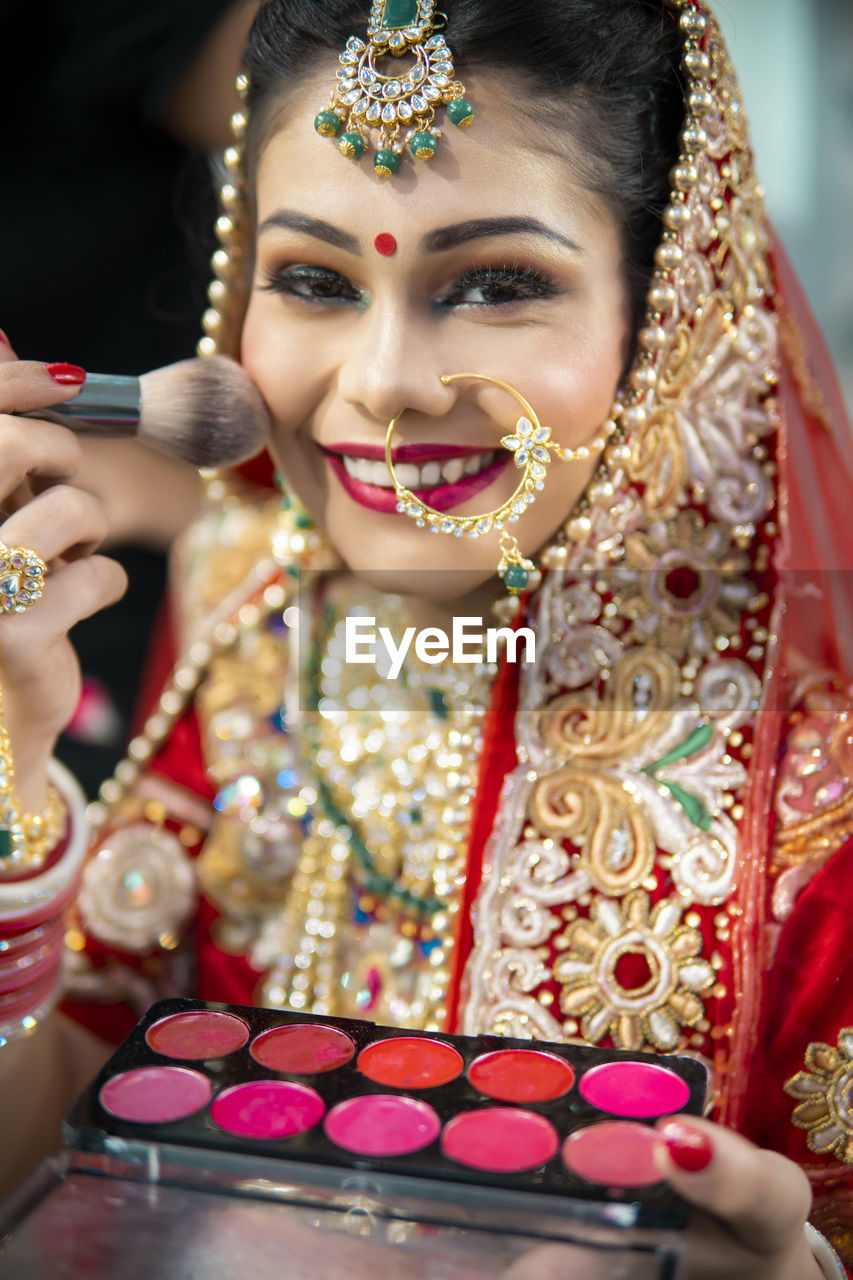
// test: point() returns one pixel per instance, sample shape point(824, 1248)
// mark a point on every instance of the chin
point(439, 585)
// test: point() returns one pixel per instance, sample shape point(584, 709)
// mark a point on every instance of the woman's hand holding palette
point(446, 1118)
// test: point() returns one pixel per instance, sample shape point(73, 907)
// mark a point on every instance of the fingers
point(62, 521)
point(26, 385)
point(762, 1198)
point(30, 447)
point(72, 592)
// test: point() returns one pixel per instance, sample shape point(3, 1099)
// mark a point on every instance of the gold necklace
point(394, 772)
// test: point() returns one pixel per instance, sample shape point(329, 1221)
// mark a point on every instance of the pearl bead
point(600, 491)
point(578, 528)
point(221, 263)
point(619, 455)
point(238, 124)
point(225, 227)
point(685, 176)
point(662, 296)
point(216, 291)
point(211, 321)
point(636, 416)
point(677, 216)
point(653, 337)
point(692, 23)
point(700, 101)
point(555, 557)
point(697, 61)
point(694, 137)
point(669, 254)
point(232, 159)
point(644, 377)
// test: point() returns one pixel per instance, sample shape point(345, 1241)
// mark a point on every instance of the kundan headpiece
point(396, 104)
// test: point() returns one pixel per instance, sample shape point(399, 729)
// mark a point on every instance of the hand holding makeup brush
point(207, 412)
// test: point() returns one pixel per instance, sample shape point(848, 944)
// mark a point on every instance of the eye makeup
point(487, 1130)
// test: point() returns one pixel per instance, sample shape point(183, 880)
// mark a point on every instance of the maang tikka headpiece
point(398, 106)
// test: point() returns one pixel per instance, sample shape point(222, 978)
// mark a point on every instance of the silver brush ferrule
point(107, 405)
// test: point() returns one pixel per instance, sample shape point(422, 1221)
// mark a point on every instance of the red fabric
point(809, 998)
point(497, 759)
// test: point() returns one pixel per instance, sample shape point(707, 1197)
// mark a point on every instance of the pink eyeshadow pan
point(205, 1034)
point(410, 1062)
point(500, 1140)
point(267, 1109)
point(303, 1048)
point(155, 1095)
point(521, 1075)
point(615, 1153)
point(382, 1124)
point(636, 1089)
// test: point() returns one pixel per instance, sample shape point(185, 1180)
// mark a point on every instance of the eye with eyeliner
point(496, 286)
point(313, 284)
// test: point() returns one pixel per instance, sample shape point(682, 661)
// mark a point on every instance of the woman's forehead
point(505, 161)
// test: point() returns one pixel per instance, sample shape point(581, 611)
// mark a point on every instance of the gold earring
point(530, 444)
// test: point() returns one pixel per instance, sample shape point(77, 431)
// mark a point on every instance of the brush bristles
point(206, 411)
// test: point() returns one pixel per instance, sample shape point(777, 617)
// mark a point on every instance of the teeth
point(425, 476)
point(407, 474)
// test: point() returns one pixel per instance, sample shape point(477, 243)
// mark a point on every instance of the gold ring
point(22, 575)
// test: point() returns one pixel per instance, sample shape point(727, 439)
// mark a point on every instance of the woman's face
point(504, 265)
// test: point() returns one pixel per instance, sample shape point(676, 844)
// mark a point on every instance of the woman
point(638, 837)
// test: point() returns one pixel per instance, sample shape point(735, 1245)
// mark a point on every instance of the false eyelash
point(528, 282)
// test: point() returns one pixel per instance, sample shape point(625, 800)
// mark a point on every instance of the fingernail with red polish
point(69, 375)
point(3, 338)
point(689, 1149)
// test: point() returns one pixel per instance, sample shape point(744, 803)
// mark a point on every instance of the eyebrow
point(289, 220)
point(461, 232)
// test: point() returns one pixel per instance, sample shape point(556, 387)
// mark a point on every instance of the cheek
point(275, 355)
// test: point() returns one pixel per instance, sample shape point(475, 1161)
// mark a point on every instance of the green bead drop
point(328, 123)
point(516, 578)
point(423, 145)
point(460, 112)
point(386, 162)
point(352, 144)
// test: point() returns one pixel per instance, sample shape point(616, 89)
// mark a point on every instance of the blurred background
point(795, 62)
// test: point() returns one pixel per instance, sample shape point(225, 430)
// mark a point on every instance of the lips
point(441, 476)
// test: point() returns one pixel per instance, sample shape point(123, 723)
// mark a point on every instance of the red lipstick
point(443, 497)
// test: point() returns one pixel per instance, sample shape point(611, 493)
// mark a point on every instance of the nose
point(395, 365)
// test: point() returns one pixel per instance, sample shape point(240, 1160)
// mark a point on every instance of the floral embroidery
point(825, 1092)
point(634, 974)
point(684, 587)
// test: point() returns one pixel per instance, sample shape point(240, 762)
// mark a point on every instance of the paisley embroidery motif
point(814, 804)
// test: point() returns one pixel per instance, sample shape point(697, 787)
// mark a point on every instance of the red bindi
point(385, 244)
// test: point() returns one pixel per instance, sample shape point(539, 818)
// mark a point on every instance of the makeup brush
point(206, 411)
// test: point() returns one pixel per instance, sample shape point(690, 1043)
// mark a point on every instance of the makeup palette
point(486, 1131)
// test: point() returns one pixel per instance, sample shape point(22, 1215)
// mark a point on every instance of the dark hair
point(608, 70)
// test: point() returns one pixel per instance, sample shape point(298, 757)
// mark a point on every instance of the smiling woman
point(636, 838)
